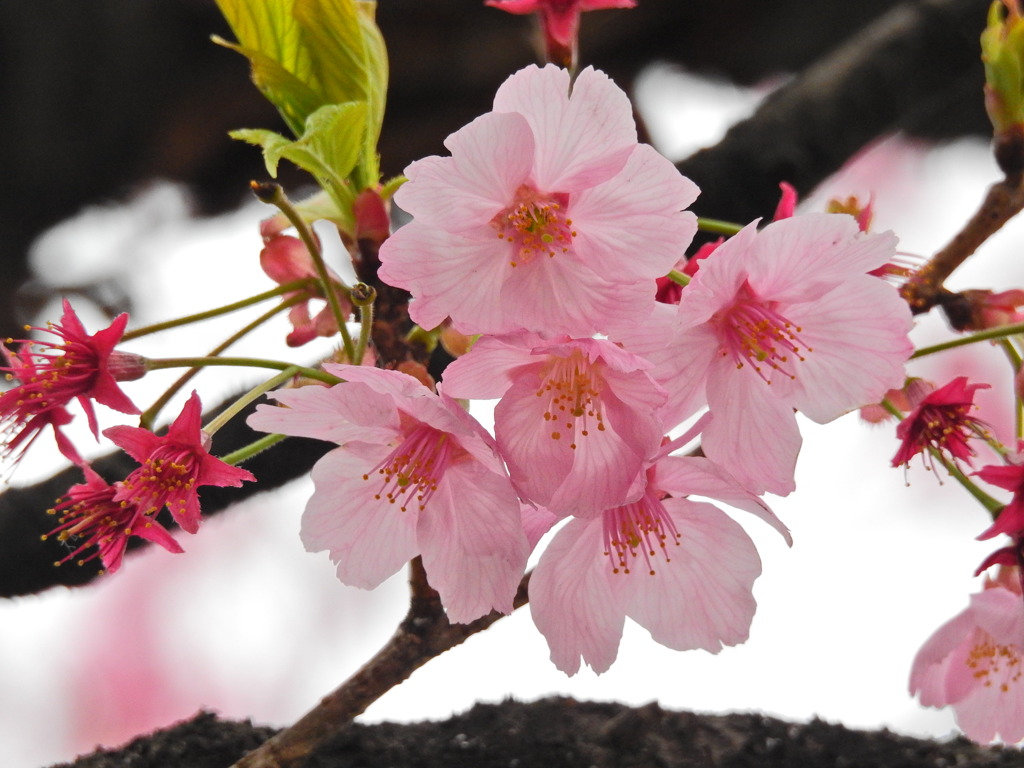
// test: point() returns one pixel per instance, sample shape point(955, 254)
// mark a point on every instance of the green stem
point(678, 277)
point(1015, 360)
point(248, 451)
point(149, 416)
point(294, 285)
point(363, 296)
point(278, 198)
point(258, 391)
point(1002, 332)
point(241, 362)
point(717, 226)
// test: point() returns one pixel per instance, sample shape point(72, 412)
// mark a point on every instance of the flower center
point(994, 664)
point(166, 477)
point(414, 468)
point(642, 529)
point(573, 388)
point(535, 224)
point(753, 332)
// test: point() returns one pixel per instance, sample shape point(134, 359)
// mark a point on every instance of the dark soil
point(563, 733)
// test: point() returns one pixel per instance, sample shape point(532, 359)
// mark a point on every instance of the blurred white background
point(248, 624)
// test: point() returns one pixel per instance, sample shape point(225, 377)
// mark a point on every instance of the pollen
point(535, 225)
point(642, 531)
point(754, 333)
point(573, 386)
point(412, 471)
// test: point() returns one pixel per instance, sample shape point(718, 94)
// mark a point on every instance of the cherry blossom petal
point(571, 600)
point(648, 195)
point(491, 158)
point(581, 140)
point(700, 596)
point(369, 541)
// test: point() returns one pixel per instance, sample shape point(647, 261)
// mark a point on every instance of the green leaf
point(330, 147)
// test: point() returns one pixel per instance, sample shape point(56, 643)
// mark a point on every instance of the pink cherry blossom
point(90, 517)
point(974, 663)
point(413, 474)
point(777, 320)
point(548, 216)
point(174, 467)
point(577, 421)
point(682, 569)
point(559, 21)
point(942, 422)
point(51, 374)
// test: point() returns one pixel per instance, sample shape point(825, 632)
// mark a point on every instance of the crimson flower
point(174, 466)
point(559, 22)
point(52, 373)
point(941, 421)
point(91, 517)
point(1011, 519)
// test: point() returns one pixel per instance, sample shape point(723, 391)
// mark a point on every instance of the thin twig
point(424, 634)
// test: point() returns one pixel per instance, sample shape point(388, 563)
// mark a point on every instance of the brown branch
point(424, 634)
point(1003, 201)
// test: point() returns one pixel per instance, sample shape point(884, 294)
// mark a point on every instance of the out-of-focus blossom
point(559, 22)
point(413, 474)
point(52, 373)
point(547, 217)
point(782, 319)
point(852, 206)
point(577, 420)
point(90, 517)
point(974, 663)
point(681, 569)
point(904, 399)
point(942, 421)
point(174, 466)
point(285, 258)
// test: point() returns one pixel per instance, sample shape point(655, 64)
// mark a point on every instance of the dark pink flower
point(942, 422)
point(559, 22)
point(1011, 518)
point(90, 517)
point(51, 374)
point(174, 466)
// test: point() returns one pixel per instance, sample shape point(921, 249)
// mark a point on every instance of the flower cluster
point(50, 374)
point(545, 233)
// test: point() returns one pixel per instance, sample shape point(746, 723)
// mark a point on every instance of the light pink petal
point(560, 296)
point(491, 158)
point(681, 358)
point(580, 141)
point(472, 542)
point(537, 521)
point(856, 355)
point(571, 601)
point(453, 275)
point(369, 539)
point(930, 669)
point(395, 384)
point(486, 371)
point(344, 412)
point(701, 597)
point(635, 226)
point(792, 256)
point(753, 434)
point(698, 476)
point(719, 278)
point(600, 471)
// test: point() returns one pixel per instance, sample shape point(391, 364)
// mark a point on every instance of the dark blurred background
point(99, 96)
